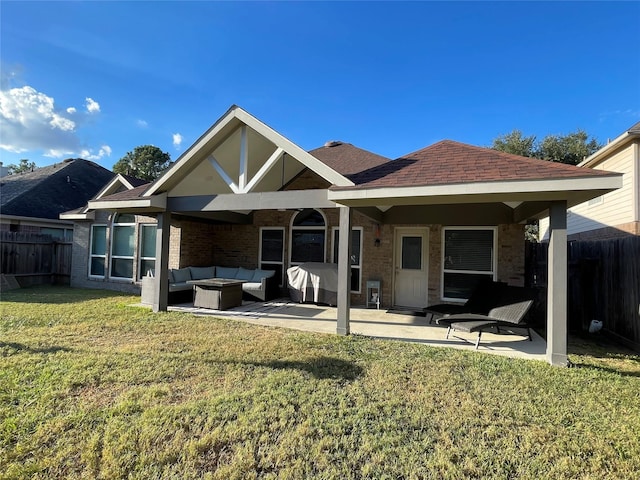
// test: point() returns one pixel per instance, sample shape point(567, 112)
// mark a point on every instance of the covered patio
point(381, 324)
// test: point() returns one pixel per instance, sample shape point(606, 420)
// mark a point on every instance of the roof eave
point(620, 141)
point(90, 215)
point(571, 189)
point(156, 203)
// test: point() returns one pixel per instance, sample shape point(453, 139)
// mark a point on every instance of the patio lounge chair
point(510, 313)
point(482, 299)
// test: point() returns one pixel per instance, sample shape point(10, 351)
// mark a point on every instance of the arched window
point(308, 237)
point(123, 246)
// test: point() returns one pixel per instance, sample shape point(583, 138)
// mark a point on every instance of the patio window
point(308, 232)
point(356, 256)
point(123, 246)
point(98, 251)
point(272, 251)
point(147, 253)
point(468, 257)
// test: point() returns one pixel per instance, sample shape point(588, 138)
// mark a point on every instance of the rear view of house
point(427, 227)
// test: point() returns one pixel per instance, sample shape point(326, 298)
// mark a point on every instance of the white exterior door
point(411, 267)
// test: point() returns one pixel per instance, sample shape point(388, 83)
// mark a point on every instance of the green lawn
point(93, 388)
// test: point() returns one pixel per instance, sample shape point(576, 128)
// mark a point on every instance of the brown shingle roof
point(449, 162)
point(133, 194)
point(347, 159)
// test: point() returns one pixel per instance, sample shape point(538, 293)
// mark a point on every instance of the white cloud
point(104, 151)
point(92, 105)
point(142, 123)
point(177, 140)
point(29, 120)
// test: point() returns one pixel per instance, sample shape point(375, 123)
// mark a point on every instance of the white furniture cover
point(313, 282)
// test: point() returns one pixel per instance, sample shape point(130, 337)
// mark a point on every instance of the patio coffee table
point(217, 293)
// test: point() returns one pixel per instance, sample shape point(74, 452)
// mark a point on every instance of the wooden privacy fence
point(603, 284)
point(35, 259)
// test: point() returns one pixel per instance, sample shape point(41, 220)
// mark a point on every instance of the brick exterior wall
point(511, 252)
point(608, 233)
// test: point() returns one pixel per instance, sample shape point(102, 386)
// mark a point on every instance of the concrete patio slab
point(383, 324)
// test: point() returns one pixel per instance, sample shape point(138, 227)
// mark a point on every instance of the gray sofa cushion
point(226, 272)
point(198, 273)
point(181, 275)
point(258, 275)
point(244, 274)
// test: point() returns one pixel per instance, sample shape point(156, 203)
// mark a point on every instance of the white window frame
point(112, 257)
point(494, 260)
point(353, 267)
point(292, 228)
point(272, 262)
point(103, 256)
point(141, 227)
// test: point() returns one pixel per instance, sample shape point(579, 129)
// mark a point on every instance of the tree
point(146, 162)
point(23, 167)
point(570, 149)
point(515, 143)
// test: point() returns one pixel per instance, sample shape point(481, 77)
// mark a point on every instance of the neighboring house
point(614, 214)
point(427, 225)
point(32, 201)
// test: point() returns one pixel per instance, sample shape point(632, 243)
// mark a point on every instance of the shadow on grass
point(600, 346)
point(617, 371)
point(25, 348)
point(320, 368)
point(55, 294)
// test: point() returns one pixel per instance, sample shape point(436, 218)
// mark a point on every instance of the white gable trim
point(110, 187)
point(227, 179)
point(601, 154)
point(228, 123)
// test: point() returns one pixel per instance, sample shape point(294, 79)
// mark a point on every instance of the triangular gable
point(119, 183)
point(220, 161)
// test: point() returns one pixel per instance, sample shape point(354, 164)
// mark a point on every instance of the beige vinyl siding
point(616, 208)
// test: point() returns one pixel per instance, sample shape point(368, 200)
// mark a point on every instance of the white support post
point(161, 290)
point(344, 272)
point(557, 286)
point(244, 159)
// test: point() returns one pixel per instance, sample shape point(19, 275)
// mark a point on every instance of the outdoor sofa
point(260, 284)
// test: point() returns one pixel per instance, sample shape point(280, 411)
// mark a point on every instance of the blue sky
point(97, 79)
